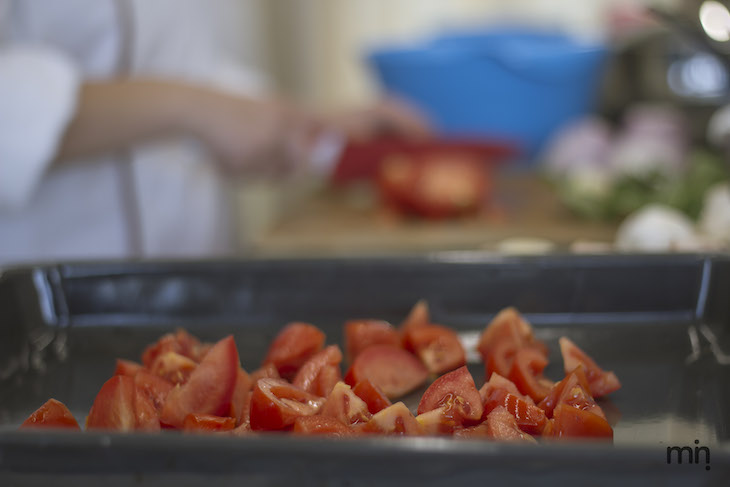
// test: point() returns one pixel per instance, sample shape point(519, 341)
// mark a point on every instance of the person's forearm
point(112, 115)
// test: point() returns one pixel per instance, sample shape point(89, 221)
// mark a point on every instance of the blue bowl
point(508, 84)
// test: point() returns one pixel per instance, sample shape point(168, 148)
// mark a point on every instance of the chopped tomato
point(438, 422)
point(321, 425)
point(240, 400)
point(437, 346)
point(392, 369)
point(173, 367)
point(501, 425)
point(180, 342)
point(456, 393)
point(527, 375)
point(419, 315)
point(207, 423)
point(293, 346)
point(154, 387)
point(119, 406)
point(507, 333)
point(127, 367)
point(572, 422)
point(326, 380)
point(496, 381)
point(360, 334)
point(372, 395)
point(344, 405)
point(52, 414)
point(530, 418)
point(561, 391)
point(276, 404)
point(393, 420)
point(266, 371)
point(209, 388)
point(601, 383)
point(479, 431)
point(308, 373)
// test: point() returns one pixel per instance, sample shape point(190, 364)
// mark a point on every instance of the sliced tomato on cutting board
point(209, 388)
point(52, 414)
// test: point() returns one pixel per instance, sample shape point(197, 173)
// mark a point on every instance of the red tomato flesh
point(209, 388)
point(241, 397)
point(173, 367)
point(360, 334)
point(293, 346)
point(180, 342)
point(306, 377)
point(527, 375)
point(52, 414)
point(601, 383)
point(276, 404)
point(207, 423)
point(392, 369)
point(344, 405)
point(502, 426)
point(457, 394)
point(127, 367)
point(372, 395)
point(530, 418)
point(321, 425)
point(120, 406)
point(571, 422)
point(393, 420)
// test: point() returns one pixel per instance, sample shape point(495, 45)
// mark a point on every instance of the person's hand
point(387, 118)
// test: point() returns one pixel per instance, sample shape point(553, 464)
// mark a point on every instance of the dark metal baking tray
point(662, 323)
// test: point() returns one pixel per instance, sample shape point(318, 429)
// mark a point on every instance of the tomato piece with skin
point(437, 346)
point(457, 394)
point(293, 346)
point(344, 405)
point(321, 425)
point(173, 367)
point(209, 388)
point(276, 404)
point(154, 387)
point(180, 342)
point(577, 397)
point(241, 397)
point(395, 371)
point(372, 395)
point(574, 378)
point(527, 375)
point(393, 420)
point(438, 422)
point(497, 381)
point(326, 380)
point(120, 406)
point(208, 423)
point(361, 334)
point(266, 371)
point(480, 431)
point(52, 414)
point(418, 316)
point(572, 422)
point(600, 382)
point(306, 377)
point(127, 367)
point(502, 426)
point(507, 333)
point(530, 418)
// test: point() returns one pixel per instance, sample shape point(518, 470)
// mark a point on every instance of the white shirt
point(160, 199)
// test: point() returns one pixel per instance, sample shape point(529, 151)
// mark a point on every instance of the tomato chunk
point(344, 405)
point(496, 381)
point(561, 390)
point(393, 420)
point(275, 404)
point(321, 425)
point(456, 393)
point(502, 426)
point(529, 418)
point(180, 342)
point(372, 395)
point(437, 346)
point(207, 423)
point(438, 422)
point(241, 397)
point(173, 367)
point(266, 371)
point(418, 316)
point(360, 334)
point(120, 406)
point(127, 367)
point(52, 414)
point(209, 388)
point(392, 369)
point(293, 346)
point(600, 382)
point(327, 361)
point(507, 333)
point(572, 422)
point(527, 375)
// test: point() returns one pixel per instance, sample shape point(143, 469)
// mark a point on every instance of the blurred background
point(615, 108)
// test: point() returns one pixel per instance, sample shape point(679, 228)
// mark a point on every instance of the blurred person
point(120, 121)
